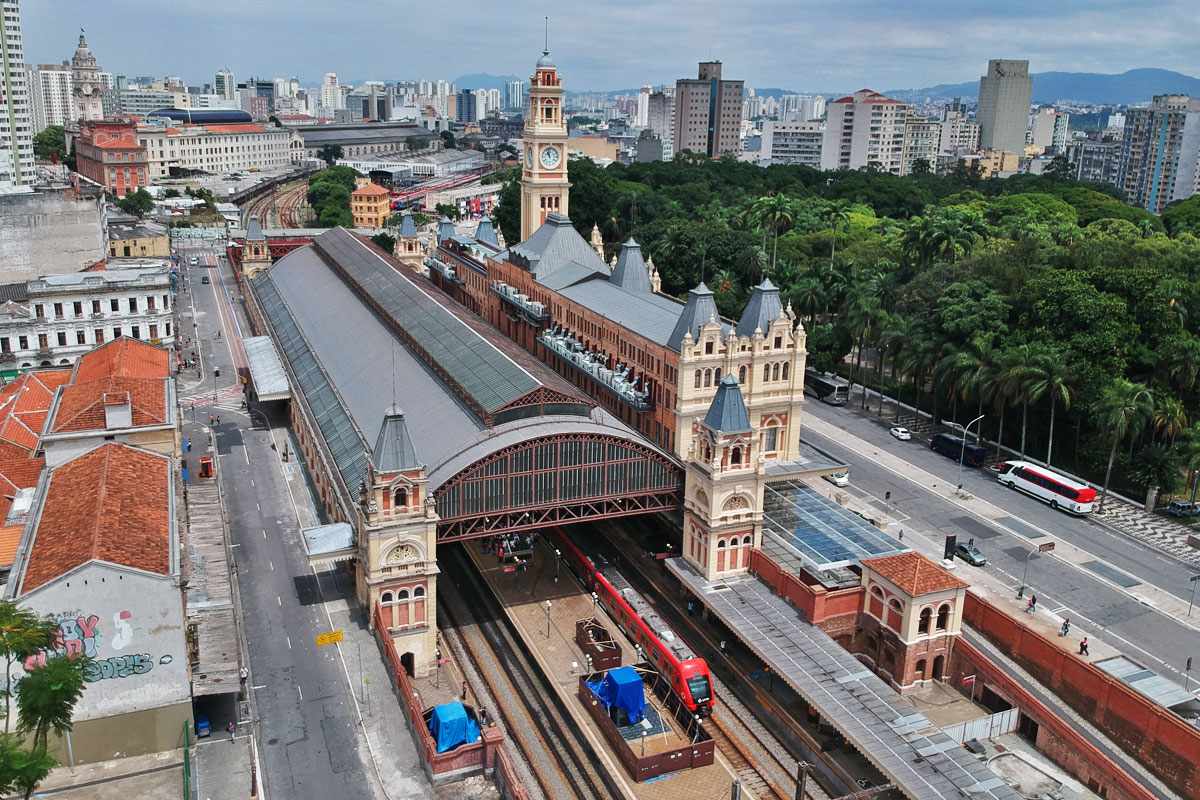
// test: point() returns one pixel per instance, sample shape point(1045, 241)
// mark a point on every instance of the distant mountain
point(1134, 86)
point(482, 80)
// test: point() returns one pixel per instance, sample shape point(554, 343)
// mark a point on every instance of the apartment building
point(51, 89)
point(708, 113)
point(1160, 152)
point(371, 205)
point(865, 129)
point(792, 143)
point(660, 118)
point(215, 149)
point(1096, 161)
point(55, 319)
point(959, 133)
point(16, 119)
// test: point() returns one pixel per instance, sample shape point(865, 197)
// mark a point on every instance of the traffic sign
point(330, 637)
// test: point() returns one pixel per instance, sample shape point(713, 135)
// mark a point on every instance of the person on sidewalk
point(1031, 606)
point(1083, 646)
point(1066, 627)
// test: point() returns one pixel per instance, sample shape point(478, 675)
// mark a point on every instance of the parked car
point(1183, 508)
point(203, 727)
point(900, 432)
point(838, 478)
point(204, 279)
point(971, 554)
point(194, 260)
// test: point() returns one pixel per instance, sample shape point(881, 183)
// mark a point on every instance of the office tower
point(708, 113)
point(50, 95)
point(660, 118)
point(792, 142)
point(642, 119)
point(1004, 94)
point(224, 85)
point(514, 95)
point(864, 129)
point(1062, 132)
point(467, 109)
point(1096, 161)
point(1160, 152)
point(16, 138)
point(331, 93)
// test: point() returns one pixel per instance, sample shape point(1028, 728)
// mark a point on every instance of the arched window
point(943, 617)
point(923, 621)
point(400, 498)
point(708, 377)
point(721, 555)
point(717, 376)
point(894, 604)
point(877, 592)
point(920, 669)
point(742, 374)
point(401, 595)
point(720, 544)
point(418, 592)
point(386, 597)
point(775, 373)
point(746, 541)
point(785, 370)
point(697, 379)
point(766, 372)
point(735, 457)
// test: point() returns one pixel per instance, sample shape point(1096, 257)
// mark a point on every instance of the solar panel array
point(344, 441)
point(486, 374)
point(901, 742)
point(824, 535)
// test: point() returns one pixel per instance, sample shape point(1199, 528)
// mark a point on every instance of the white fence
point(985, 727)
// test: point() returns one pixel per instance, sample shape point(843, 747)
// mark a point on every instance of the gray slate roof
point(266, 370)
point(728, 410)
point(650, 315)
point(393, 447)
point(486, 233)
point(700, 309)
point(445, 229)
point(14, 292)
point(254, 231)
point(408, 228)
point(558, 256)
point(763, 308)
point(631, 272)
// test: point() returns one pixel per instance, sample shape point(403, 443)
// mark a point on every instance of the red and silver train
point(688, 673)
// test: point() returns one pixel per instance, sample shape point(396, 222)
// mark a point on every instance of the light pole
point(963, 451)
point(546, 605)
point(1193, 580)
point(557, 562)
point(1025, 575)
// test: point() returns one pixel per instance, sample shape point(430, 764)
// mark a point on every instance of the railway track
point(558, 756)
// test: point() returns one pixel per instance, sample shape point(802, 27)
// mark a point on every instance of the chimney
point(118, 411)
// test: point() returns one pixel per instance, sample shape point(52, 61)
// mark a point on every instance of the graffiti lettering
point(118, 667)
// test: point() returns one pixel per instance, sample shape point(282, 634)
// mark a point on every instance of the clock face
point(529, 157)
point(550, 157)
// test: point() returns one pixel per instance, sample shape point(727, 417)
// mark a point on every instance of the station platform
point(922, 761)
point(550, 636)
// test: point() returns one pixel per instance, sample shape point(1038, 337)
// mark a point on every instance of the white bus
point(1047, 486)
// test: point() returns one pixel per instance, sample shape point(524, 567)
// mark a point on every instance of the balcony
point(442, 268)
point(530, 310)
point(617, 382)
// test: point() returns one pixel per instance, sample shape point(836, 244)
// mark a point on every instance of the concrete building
point(865, 129)
point(642, 119)
point(357, 140)
point(138, 240)
point(370, 102)
point(922, 141)
point(792, 143)
point(660, 118)
point(86, 82)
point(214, 148)
point(109, 153)
point(959, 133)
point(371, 205)
point(224, 85)
point(331, 94)
point(466, 108)
point(708, 113)
point(1049, 130)
point(1160, 152)
point(52, 96)
point(16, 117)
point(141, 102)
point(514, 95)
point(1003, 113)
point(53, 320)
point(1096, 161)
point(49, 232)
point(649, 147)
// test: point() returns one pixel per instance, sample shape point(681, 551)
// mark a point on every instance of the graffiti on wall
point(82, 634)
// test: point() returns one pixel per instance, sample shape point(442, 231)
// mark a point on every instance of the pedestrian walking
point(1031, 606)
point(232, 728)
point(1083, 646)
point(1066, 627)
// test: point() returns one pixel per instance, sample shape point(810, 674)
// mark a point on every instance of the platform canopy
point(326, 545)
point(266, 370)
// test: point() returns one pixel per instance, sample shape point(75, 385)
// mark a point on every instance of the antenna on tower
point(546, 49)
point(393, 375)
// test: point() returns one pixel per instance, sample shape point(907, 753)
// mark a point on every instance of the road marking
point(246, 453)
point(289, 641)
point(299, 692)
point(251, 483)
point(260, 686)
point(264, 530)
point(259, 507)
point(272, 565)
point(279, 600)
point(235, 545)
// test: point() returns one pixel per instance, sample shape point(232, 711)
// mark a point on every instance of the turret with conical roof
point(630, 272)
point(728, 414)
point(408, 226)
point(394, 451)
point(486, 233)
point(699, 310)
point(761, 310)
point(445, 229)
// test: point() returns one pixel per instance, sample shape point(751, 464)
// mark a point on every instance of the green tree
point(1158, 465)
point(386, 242)
point(138, 203)
point(330, 153)
point(1122, 407)
point(447, 210)
point(1016, 374)
point(837, 216)
point(773, 213)
point(448, 141)
point(1051, 376)
point(50, 144)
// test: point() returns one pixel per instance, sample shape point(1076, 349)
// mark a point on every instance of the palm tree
point(1015, 374)
point(809, 296)
point(1169, 417)
point(972, 368)
point(1123, 406)
point(861, 313)
point(1189, 454)
point(774, 212)
point(1051, 375)
point(838, 216)
point(1182, 361)
point(896, 335)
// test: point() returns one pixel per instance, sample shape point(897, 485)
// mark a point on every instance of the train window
point(698, 689)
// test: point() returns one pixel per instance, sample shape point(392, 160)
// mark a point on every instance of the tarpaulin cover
point(451, 726)
point(622, 687)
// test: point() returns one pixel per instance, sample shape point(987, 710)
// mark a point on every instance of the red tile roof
point(10, 538)
point(914, 574)
point(110, 504)
point(123, 357)
point(371, 189)
point(122, 366)
point(24, 404)
point(19, 469)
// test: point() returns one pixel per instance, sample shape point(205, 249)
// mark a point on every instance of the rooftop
point(371, 190)
point(140, 230)
point(364, 133)
point(122, 367)
point(110, 504)
point(727, 413)
point(266, 370)
point(914, 574)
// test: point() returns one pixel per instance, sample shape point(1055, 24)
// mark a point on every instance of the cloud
point(607, 45)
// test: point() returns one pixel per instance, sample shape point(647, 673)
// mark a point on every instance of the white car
point(900, 432)
point(838, 478)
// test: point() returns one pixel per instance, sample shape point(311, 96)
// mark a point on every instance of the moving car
point(970, 553)
point(900, 432)
point(204, 279)
point(194, 260)
point(838, 478)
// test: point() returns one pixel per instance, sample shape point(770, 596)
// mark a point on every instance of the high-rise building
point(792, 142)
point(331, 94)
point(50, 95)
point(864, 129)
point(708, 113)
point(1041, 127)
point(1062, 132)
point(16, 136)
point(922, 141)
point(467, 109)
point(642, 119)
point(224, 84)
point(86, 82)
point(1160, 152)
point(660, 118)
point(1004, 94)
point(514, 95)
point(1096, 161)
point(545, 189)
point(959, 133)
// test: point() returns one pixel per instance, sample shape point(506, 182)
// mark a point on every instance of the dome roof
point(545, 60)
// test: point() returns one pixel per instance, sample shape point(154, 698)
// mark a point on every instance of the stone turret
point(597, 241)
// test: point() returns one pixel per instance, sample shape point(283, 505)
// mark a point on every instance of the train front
point(695, 686)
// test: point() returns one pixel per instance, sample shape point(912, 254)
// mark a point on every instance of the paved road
point(309, 737)
point(1093, 598)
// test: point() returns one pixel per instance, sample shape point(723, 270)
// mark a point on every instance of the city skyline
point(909, 48)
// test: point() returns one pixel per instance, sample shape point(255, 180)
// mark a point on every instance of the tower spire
point(546, 49)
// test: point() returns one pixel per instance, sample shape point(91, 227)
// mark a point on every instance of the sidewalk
point(156, 776)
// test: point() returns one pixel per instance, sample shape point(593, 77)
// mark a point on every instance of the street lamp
point(557, 562)
point(1193, 580)
point(1025, 575)
point(546, 605)
point(963, 451)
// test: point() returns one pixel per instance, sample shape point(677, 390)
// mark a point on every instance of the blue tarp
point(451, 726)
point(623, 689)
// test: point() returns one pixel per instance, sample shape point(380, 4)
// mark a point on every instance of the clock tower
point(544, 186)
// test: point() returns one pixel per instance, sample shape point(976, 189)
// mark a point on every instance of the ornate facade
point(88, 88)
point(544, 185)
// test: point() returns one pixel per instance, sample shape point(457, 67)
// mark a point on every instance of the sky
point(615, 44)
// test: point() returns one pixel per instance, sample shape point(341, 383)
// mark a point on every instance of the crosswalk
point(228, 398)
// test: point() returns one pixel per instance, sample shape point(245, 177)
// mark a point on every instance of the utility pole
point(801, 779)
